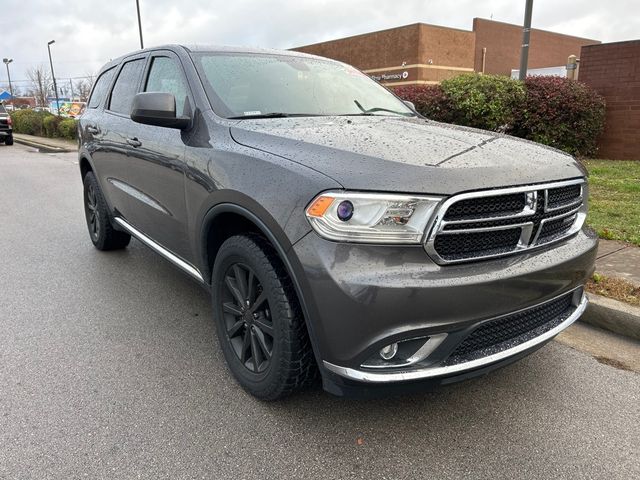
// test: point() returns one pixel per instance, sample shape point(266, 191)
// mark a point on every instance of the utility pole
point(139, 24)
point(526, 33)
point(53, 75)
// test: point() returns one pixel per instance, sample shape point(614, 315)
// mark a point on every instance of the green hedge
point(43, 124)
point(484, 101)
point(68, 128)
point(556, 111)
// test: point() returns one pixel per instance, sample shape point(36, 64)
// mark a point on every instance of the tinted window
point(166, 76)
point(2, 109)
point(126, 86)
point(100, 89)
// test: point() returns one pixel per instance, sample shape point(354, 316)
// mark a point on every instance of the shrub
point(29, 122)
point(68, 128)
point(562, 113)
point(50, 125)
point(556, 111)
point(429, 100)
point(484, 101)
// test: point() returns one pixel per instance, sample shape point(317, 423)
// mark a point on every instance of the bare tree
point(40, 80)
point(82, 88)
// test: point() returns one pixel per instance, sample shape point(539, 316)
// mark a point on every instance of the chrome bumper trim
point(156, 247)
point(431, 372)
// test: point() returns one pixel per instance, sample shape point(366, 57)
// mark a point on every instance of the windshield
point(256, 85)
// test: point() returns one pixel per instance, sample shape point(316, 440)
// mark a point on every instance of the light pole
point(139, 23)
point(53, 76)
point(7, 61)
point(526, 33)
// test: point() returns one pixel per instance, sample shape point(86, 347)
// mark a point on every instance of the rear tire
point(101, 232)
point(9, 140)
point(260, 325)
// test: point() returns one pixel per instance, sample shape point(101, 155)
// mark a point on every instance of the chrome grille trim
point(530, 232)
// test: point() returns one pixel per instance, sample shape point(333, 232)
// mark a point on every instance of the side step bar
point(156, 247)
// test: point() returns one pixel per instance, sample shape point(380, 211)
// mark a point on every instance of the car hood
point(405, 154)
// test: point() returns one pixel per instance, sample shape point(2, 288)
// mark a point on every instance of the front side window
point(166, 76)
point(126, 87)
point(100, 89)
point(256, 84)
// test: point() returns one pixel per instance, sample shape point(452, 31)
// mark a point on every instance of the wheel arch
point(258, 220)
point(85, 165)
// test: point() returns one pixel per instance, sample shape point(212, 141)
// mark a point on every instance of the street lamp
point(53, 75)
point(139, 23)
point(7, 61)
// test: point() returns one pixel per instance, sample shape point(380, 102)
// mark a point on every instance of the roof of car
point(212, 49)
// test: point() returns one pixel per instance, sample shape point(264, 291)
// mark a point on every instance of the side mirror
point(410, 105)
point(157, 108)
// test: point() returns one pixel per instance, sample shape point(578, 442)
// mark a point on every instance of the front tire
point(9, 140)
point(102, 233)
point(260, 326)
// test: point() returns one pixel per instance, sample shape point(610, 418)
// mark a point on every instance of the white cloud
point(90, 32)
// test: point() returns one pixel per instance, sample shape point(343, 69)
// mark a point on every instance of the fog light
point(388, 352)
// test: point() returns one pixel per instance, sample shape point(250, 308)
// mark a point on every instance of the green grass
point(614, 199)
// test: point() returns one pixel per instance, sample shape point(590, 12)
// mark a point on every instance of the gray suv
point(340, 234)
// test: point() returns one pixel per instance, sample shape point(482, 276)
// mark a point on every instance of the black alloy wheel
point(247, 318)
point(92, 212)
point(101, 231)
point(261, 329)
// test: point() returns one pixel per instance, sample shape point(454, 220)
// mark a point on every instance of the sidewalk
point(44, 143)
point(617, 259)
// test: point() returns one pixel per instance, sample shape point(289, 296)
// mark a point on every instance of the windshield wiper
point(272, 115)
point(371, 111)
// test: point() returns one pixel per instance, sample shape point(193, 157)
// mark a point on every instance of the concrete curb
point(42, 146)
point(612, 315)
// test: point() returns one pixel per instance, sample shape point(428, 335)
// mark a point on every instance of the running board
point(156, 247)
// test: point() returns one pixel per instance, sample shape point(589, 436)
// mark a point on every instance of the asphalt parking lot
point(109, 368)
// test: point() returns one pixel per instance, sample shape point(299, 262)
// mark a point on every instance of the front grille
point(482, 207)
point(562, 196)
point(494, 334)
point(500, 222)
point(472, 244)
point(554, 229)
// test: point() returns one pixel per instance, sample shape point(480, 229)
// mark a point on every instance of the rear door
point(147, 176)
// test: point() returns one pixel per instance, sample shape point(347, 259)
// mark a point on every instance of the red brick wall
point(613, 70)
point(431, 53)
point(386, 48)
point(503, 42)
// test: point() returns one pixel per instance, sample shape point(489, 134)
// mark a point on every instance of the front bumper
point(360, 298)
point(448, 370)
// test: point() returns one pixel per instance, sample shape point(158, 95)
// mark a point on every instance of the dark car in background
point(6, 126)
point(337, 230)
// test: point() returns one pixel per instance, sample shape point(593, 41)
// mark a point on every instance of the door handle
point(134, 142)
point(93, 130)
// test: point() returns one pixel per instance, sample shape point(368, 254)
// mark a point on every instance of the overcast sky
point(90, 32)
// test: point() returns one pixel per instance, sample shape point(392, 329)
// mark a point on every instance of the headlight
point(371, 217)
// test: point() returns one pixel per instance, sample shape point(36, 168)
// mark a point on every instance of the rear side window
point(166, 76)
point(126, 86)
point(2, 109)
point(100, 89)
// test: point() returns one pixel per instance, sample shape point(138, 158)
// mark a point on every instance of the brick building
point(613, 70)
point(421, 53)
